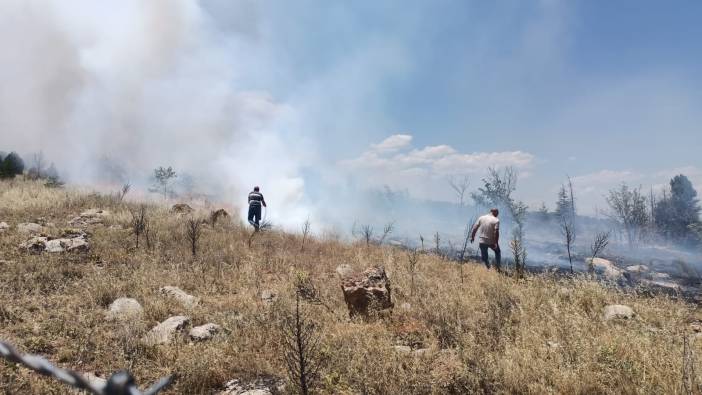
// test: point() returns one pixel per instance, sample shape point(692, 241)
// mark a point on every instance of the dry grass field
point(478, 331)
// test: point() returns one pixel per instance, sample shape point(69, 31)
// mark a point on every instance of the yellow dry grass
point(485, 333)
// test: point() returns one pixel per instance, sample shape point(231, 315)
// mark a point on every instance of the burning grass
point(482, 333)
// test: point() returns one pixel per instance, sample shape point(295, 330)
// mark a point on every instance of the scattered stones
point(29, 228)
point(204, 332)
point(39, 244)
point(188, 301)
point(344, 271)
point(125, 309)
point(259, 386)
point(4, 226)
point(90, 217)
point(164, 332)
point(181, 208)
point(268, 296)
point(618, 311)
point(367, 291)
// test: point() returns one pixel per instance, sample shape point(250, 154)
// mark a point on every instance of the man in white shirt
point(489, 227)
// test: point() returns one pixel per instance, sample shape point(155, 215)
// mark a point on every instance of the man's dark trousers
point(484, 255)
point(254, 214)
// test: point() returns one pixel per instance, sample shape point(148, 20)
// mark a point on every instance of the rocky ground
point(75, 288)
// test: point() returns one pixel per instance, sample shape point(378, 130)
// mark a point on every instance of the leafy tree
point(11, 166)
point(677, 214)
point(162, 180)
point(628, 208)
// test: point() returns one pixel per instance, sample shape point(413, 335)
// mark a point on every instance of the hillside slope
point(477, 331)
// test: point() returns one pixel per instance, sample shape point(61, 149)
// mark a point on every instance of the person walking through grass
point(489, 227)
point(256, 200)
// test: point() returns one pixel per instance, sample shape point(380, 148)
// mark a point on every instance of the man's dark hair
point(256, 189)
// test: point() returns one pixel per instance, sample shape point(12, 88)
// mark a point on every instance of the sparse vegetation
point(628, 208)
point(193, 232)
point(491, 334)
point(598, 246)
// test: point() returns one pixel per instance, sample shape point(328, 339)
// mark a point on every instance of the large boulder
point(367, 291)
point(29, 228)
point(188, 301)
point(125, 309)
point(165, 332)
point(217, 215)
point(617, 311)
point(181, 208)
point(606, 268)
point(662, 286)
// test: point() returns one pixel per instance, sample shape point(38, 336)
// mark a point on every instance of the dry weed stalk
point(301, 350)
point(193, 232)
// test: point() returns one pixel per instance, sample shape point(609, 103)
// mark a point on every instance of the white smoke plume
point(144, 84)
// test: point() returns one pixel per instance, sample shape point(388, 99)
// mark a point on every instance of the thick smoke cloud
point(142, 83)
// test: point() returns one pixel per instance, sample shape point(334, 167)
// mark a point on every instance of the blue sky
point(605, 92)
point(315, 98)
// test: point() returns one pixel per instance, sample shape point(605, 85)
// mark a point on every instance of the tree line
point(12, 165)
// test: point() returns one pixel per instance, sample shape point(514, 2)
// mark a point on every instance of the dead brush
point(193, 232)
point(139, 222)
point(301, 350)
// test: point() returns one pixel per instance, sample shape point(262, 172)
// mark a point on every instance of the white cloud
point(421, 171)
point(393, 143)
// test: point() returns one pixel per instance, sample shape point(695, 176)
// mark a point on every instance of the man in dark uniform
point(255, 202)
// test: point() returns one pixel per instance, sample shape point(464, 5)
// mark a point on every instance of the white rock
point(54, 246)
point(125, 309)
point(29, 228)
point(406, 306)
point(188, 301)
point(4, 226)
point(610, 271)
point(660, 276)
point(204, 332)
point(617, 311)
point(164, 332)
